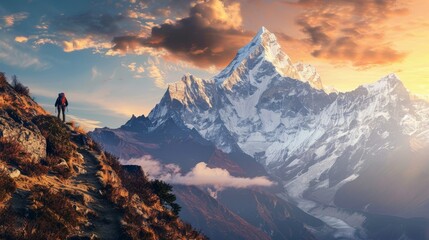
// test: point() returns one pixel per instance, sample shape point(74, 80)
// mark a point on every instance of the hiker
point(61, 105)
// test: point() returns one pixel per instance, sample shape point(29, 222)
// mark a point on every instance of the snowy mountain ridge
point(278, 113)
point(251, 92)
point(329, 150)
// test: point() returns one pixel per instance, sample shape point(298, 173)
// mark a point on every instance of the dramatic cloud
point(210, 35)
point(350, 31)
point(200, 175)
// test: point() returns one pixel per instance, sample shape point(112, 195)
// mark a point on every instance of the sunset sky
point(115, 58)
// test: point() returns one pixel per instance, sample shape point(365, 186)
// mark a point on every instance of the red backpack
point(63, 99)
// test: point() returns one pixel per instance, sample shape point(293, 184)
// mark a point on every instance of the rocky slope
point(55, 183)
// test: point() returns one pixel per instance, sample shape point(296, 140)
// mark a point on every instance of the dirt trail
point(107, 223)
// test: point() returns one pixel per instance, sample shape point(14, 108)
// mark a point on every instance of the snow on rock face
point(279, 113)
point(308, 73)
point(189, 90)
point(262, 52)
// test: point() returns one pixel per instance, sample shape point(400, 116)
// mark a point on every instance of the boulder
point(32, 140)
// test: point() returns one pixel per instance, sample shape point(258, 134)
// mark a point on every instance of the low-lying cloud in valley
point(200, 175)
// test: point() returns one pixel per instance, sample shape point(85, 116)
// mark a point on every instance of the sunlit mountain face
point(352, 160)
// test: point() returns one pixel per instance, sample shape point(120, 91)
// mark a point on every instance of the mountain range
point(350, 165)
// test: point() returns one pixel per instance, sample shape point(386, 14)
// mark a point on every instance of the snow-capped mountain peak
point(188, 90)
point(262, 53)
point(386, 84)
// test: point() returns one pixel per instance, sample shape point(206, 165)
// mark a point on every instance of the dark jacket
point(58, 102)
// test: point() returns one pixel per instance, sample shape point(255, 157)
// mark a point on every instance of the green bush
point(56, 134)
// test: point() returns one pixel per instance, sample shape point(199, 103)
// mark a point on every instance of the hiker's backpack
point(63, 99)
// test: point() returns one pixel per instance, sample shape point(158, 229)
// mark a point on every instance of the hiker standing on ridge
point(61, 105)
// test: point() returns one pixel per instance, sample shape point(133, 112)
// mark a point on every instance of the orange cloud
point(10, 20)
point(350, 31)
point(21, 39)
point(209, 36)
point(83, 43)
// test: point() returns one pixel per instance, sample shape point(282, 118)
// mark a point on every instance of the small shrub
point(7, 221)
point(7, 186)
point(164, 192)
point(134, 180)
point(50, 161)
point(56, 134)
point(19, 87)
point(3, 79)
point(11, 151)
point(95, 146)
point(63, 171)
point(52, 216)
point(33, 169)
point(113, 162)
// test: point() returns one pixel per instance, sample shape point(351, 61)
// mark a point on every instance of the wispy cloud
point(87, 124)
point(12, 19)
point(134, 67)
point(200, 175)
point(13, 56)
point(94, 73)
point(156, 74)
point(100, 100)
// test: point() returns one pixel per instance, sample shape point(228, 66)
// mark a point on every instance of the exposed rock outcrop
point(29, 137)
